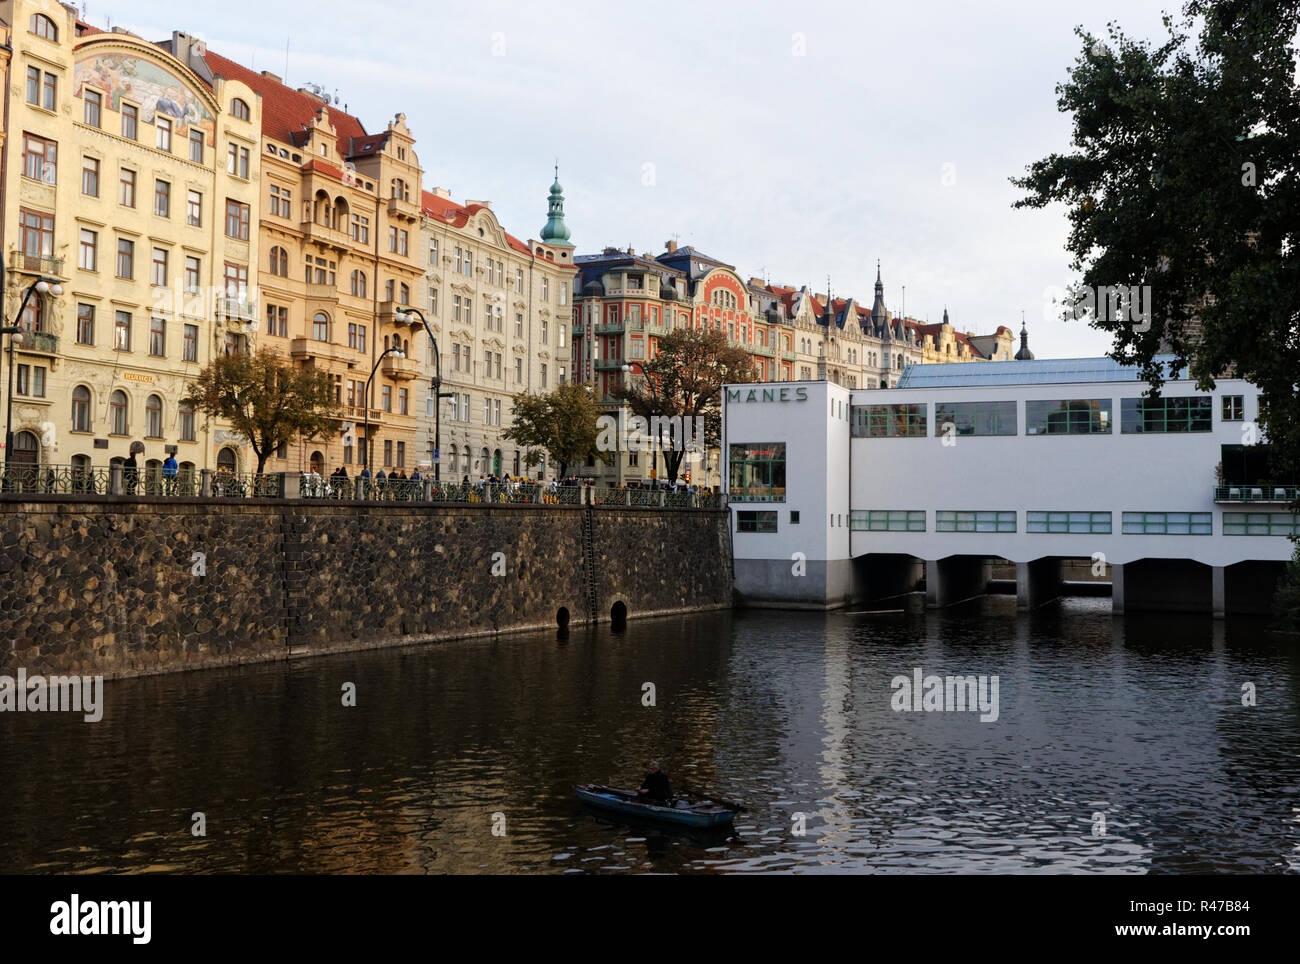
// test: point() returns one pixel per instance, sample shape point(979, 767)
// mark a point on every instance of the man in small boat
point(655, 787)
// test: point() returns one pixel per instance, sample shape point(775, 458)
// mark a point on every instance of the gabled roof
point(457, 215)
point(287, 113)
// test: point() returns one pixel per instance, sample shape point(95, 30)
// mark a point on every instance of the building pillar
point(290, 485)
point(1117, 590)
point(1037, 582)
point(115, 479)
point(205, 483)
point(931, 584)
point(1218, 595)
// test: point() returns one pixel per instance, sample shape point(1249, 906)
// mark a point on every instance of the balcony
point(400, 369)
point(326, 235)
point(609, 364)
point(317, 292)
point(236, 309)
point(1260, 492)
point(404, 209)
point(309, 349)
point(38, 343)
point(767, 351)
point(32, 264)
point(787, 356)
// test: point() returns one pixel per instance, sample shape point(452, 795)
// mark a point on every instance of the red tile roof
point(446, 210)
point(286, 113)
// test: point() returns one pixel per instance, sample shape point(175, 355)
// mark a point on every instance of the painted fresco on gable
point(154, 88)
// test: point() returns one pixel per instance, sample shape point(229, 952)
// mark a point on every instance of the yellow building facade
point(129, 234)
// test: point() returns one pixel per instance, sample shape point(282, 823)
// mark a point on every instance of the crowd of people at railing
point(169, 480)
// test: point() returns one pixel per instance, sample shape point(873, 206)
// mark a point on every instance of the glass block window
point(1168, 523)
point(1260, 524)
point(974, 521)
point(887, 520)
point(1095, 523)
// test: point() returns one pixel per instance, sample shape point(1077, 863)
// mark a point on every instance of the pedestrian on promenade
point(130, 473)
point(170, 469)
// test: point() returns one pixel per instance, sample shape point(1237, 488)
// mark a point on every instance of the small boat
point(630, 803)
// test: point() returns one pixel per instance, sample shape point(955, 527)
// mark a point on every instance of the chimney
point(442, 192)
point(631, 251)
point(485, 204)
point(311, 93)
point(671, 246)
point(756, 283)
point(275, 77)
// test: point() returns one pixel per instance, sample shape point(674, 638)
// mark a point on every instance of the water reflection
point(1137, 719)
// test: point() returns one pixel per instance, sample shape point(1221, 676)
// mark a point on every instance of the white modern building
point(839, 496)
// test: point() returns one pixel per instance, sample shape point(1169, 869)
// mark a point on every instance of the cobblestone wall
point(130, 586)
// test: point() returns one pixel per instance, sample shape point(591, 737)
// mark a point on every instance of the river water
point(1120, 746)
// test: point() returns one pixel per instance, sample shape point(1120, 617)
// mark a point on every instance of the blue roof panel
point(1039, 371)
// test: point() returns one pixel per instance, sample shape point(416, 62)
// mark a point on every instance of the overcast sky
point(794, 141)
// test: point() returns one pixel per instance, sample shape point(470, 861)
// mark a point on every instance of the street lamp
point(396, 352)
point(403, 316)
point(15, 332)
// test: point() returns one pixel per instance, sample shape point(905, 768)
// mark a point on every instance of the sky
point(795, 141)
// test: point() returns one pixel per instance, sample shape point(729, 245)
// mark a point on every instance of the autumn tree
point(266, 399)
point(561, 422)
point(1184, 175)
point(684, 380)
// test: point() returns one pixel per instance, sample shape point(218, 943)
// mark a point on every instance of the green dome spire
point(556, 231)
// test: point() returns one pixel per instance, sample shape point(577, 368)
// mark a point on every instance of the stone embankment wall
point(129, 586)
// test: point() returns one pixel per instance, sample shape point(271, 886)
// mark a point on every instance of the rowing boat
point(628, 802)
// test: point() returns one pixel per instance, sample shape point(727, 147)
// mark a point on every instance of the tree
point(1184, 178)
point(562, 422)
point(684, 380)
point(267, 399)
point(1286, 601)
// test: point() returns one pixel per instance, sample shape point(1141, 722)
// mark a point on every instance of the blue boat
point(682, 812)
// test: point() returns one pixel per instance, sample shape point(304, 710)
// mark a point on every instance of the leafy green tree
point(562, 422)
point(267, 399)
point(1286, 602)
point(1183, 175)
point(684, 380)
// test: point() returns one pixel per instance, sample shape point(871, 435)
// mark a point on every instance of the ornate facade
point(627, 300)
point(500, 309)
point(135, 238)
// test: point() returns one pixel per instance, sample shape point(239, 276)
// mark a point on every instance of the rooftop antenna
point(286, 61)
point(904, 309)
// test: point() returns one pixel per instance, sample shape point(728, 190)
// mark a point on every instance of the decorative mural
point(154, 88)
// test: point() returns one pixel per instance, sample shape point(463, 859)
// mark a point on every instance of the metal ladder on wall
point(589, 559)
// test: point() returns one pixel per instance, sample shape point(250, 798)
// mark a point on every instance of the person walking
point(130, 473)
point(169, 470)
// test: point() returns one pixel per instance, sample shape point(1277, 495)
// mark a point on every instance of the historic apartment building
point(627, 300)
point(128, 226)
point(340, 251)
point(501, 310)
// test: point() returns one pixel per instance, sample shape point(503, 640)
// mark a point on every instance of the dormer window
point(43, 26)
point(239, 109)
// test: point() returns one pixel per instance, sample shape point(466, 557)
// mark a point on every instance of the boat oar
point(729, 804)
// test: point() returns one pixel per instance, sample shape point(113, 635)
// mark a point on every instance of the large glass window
point(889, 421)
point(974, 521)
point(887, 520)
point(1094, 523)
point(755, 521)
point(1191, 414)
point(758, 472)
point(1073, 416)
point(1168, 523)
point(975, 418)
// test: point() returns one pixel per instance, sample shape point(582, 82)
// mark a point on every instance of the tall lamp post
point(404, 315)
point(41, 286)
point(396, 352)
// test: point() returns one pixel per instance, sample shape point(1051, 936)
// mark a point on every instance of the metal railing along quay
point(120, 480)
